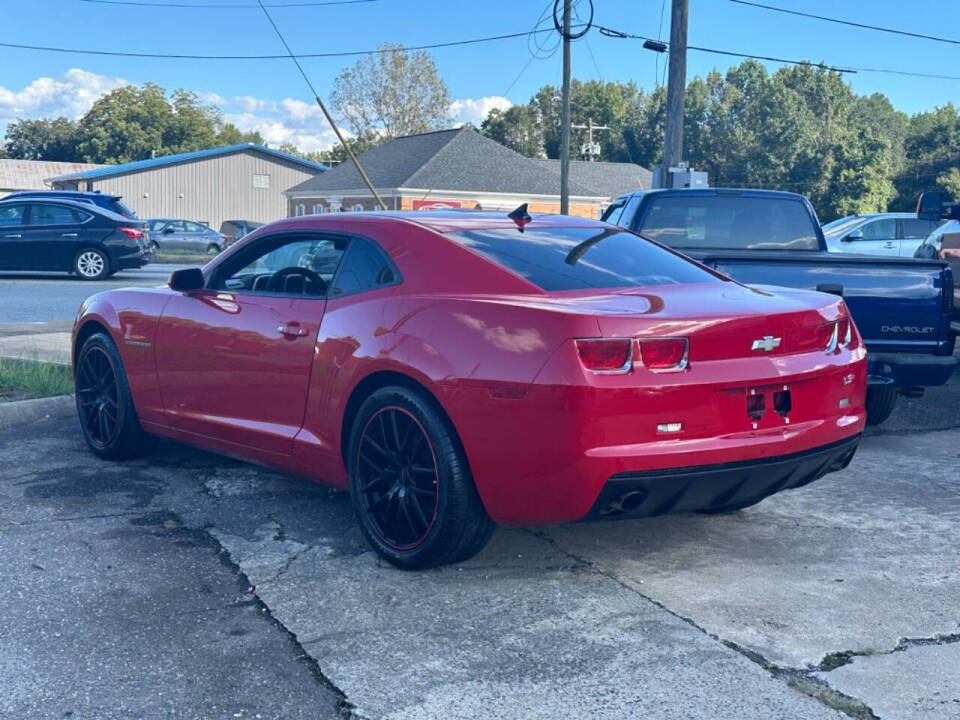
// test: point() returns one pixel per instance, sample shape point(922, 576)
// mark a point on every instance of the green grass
point(25, 379)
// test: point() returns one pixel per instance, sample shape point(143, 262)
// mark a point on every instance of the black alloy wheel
point(104, 403)
point(98, 397)
point(410, 482)
point(397, 477)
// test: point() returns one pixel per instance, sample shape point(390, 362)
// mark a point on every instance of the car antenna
point(520, 216)
point(316, 96)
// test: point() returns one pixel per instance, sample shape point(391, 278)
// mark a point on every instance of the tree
point(392, 93)
point(230, 134)
point(950, 181)
point(45, 139)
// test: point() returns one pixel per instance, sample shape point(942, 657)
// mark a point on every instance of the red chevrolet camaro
point(454, 370)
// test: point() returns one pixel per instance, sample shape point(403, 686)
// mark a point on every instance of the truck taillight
point(664, 354)
point(606, 355)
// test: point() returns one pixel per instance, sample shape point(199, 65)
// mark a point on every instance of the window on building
point(318, 209)
point(261, 181)
point(301, 209)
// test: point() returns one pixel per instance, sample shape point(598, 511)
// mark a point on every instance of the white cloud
point(71, 95)
point(279, 121)
point(474, 110)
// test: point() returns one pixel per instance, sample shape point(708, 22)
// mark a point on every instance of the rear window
point(121, 209)
point(730, 222)
point(582, 258)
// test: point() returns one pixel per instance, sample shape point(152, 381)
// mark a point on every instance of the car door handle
point(292, 330)
point(68, 235)
point(889, 244)
point(13, 235)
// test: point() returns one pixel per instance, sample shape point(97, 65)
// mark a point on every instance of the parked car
point(171, 234)
point(901, 306)
point(233, 230)
point(472, 369)
point(113, 203)
point(886, 234)
point(944, 243)
point(64, 235)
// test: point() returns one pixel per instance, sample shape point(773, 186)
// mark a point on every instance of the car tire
point(105, 407)
point(213, 249)
point(881, 399)
point(410, 483)
point(91, 264)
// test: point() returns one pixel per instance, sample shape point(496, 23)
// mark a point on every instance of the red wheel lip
point(436, 503)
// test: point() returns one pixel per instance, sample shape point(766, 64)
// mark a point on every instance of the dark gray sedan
point(172, 234)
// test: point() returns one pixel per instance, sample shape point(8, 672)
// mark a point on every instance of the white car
point(884, 234)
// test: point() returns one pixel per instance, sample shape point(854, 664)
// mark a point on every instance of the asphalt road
point(55, 297)
point(184, 585)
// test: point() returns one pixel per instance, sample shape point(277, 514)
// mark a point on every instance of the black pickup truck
point(901, 307)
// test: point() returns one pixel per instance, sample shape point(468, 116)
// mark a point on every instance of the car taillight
point(664, 354)
point(827, 336)
point(606, 355)
point(131, 232)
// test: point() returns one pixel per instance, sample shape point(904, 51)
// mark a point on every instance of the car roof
point(445, 221)
point(64, 194)
point(84, 206)
point(746, 192)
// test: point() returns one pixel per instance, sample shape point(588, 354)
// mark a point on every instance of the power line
point(351, 53)
point(851, 23)
point(610, 32)
point(316, 96)
point(234, 6)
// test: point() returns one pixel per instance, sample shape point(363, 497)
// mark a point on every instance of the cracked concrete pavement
point(127, 588)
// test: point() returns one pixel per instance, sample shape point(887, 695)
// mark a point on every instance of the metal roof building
point(243, 181)
point(32, 174)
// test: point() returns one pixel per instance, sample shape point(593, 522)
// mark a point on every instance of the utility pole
point(590, 148)
point(676, 89)
point(565, 115)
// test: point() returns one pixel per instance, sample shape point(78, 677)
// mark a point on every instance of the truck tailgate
point(898, 305)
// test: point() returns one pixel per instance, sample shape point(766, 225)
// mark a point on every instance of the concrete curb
point(26, 411)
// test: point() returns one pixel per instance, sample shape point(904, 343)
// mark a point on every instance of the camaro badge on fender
point(766, 343)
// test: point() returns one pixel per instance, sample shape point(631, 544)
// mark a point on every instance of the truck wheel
point(880, 403)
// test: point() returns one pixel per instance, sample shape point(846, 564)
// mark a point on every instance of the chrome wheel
point(91, 264)
point(397, 478)
point(98, 397)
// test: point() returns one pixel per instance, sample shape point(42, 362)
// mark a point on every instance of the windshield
point(734, 222)
point(582, 257)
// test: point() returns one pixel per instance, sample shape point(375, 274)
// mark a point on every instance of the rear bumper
point(909, 369)
point(712, 487)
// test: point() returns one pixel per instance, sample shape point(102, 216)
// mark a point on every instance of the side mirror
point(186, 280)
point(853, 235)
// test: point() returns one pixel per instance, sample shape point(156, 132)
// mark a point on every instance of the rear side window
point(53, 215)
point(732, 222)
point(582, 257)
point(919, 228)
point(365, 267)
point(11, 215)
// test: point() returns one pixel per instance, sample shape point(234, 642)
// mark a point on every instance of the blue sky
point(271, 97)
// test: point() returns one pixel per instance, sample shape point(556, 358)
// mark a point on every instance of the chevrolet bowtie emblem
point(766, 343)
